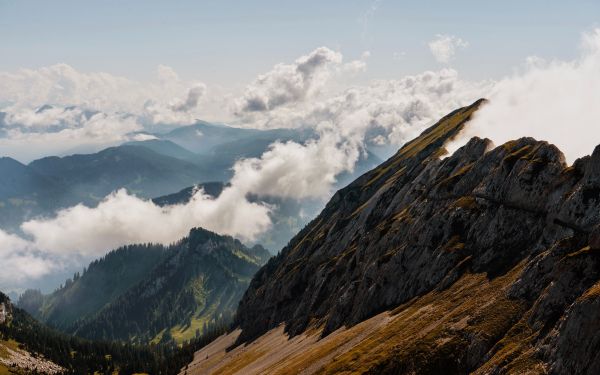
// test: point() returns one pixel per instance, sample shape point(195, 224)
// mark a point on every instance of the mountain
point(484, 262)
point(206, 138)
point(49, 184)
point(218, 147)
point(144, 293)
point(102, 282)
point(149, 169)
point(28, 347)
point(164, 147)
point(139, 169)
point(23, 192)
point(214, 189)
point(288, 215)
point(18, 179)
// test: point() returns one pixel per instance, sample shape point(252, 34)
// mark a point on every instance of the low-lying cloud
point(20, 262)
point(122, 219)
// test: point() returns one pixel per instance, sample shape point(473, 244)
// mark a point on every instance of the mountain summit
point(487, 261)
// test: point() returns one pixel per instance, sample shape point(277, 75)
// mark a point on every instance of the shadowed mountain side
point(486, 261)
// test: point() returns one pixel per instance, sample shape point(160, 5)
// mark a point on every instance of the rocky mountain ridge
point(515, 218)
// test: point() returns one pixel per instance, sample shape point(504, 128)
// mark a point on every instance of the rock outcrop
point(419, 227)
point(5, 309)
point(15, 359)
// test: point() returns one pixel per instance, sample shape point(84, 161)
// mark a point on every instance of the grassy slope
point(421, 334)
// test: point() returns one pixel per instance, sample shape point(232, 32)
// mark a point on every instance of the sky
point(228, 42)
point(362, 75)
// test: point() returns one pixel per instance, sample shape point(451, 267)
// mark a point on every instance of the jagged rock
point(5, 309)
point(418, 224)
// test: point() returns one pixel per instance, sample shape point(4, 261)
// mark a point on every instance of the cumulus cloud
point(293, 170)
point(383, 113)
point(293, 84)
point(288, 83)
point(391, 110)
point(444, 47)
point(555, 101)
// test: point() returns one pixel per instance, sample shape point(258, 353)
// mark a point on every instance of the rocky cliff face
point(5, 309)
point(420, 227)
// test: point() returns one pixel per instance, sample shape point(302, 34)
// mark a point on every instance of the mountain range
point(184, 158)
point(149, 169)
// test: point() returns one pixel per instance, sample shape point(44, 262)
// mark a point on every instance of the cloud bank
point(122, 219)
point(57, 109)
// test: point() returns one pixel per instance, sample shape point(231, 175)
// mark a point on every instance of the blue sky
point(229, 42)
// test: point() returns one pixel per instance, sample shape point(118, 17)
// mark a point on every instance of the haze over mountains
point(299, 188)
point(148, 168)
point(152, 168)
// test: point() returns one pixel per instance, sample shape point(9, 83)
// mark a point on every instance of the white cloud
point(62, 131)
point(379, 114)
point(87, 111)
point(63, 85)
point(20, 262)
point(289, 83)
point(293, 170)
point(444, 47)
point(177, 111)
point(143, 137)
point(395, 109)
point(122, 219)
point(555, 101)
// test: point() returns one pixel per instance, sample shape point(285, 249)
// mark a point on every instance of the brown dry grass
point(430, 330)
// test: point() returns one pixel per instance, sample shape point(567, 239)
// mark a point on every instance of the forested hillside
point(153, 293)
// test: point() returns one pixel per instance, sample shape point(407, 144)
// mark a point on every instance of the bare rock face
point(418, 223)
point(5, 309)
